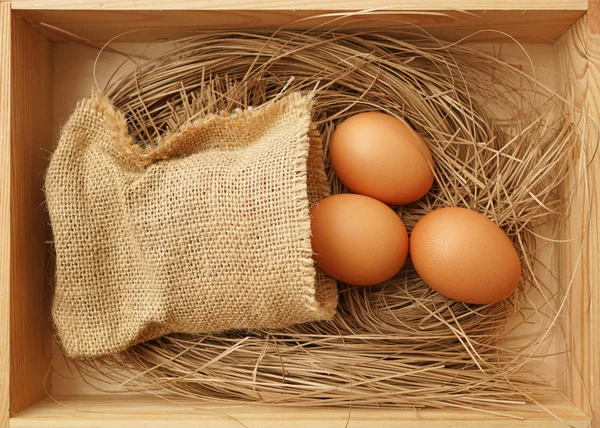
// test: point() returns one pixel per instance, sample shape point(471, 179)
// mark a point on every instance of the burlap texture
point(209, 231)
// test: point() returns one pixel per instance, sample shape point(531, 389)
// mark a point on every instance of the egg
point(357, 239)
point(378, 155)
point(464, 256)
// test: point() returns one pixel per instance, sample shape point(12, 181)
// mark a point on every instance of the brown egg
point(464, 256)
point(357, 240)
point(378, 155)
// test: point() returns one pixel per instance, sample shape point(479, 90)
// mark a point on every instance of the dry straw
point(503, 145)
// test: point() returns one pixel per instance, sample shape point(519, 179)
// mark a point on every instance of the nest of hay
point(503, 145)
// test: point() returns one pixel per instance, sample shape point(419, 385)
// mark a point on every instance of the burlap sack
point(208, 232)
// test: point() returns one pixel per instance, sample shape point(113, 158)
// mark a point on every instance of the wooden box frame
point(27, 91)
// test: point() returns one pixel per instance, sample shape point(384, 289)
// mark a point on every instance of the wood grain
point(31, 140)
point(102, 25)
point(150, 412)
point(577, 56)
point(593, 16)
point(4, 211)
point(303, 4)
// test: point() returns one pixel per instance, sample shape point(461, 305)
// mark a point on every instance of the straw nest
point(503, 145)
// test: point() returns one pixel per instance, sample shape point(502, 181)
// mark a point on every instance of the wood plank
point(102, 25)
point(151, 412)
point(4, 211)
point(303, 4)
point(31, 140)
point(578, 59)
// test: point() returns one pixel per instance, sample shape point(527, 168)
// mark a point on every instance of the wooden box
point(42, 74)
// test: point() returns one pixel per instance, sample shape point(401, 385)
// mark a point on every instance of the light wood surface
point(303, 4)
point(31, 139)
point(578, 58)
point(102, 25)
point(150, 412)
point(4, 210)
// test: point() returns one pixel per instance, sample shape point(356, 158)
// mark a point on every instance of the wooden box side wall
point(577, 57)
point(26, 140)
point(4, 211)
point(539, 26)
point(301, 4)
